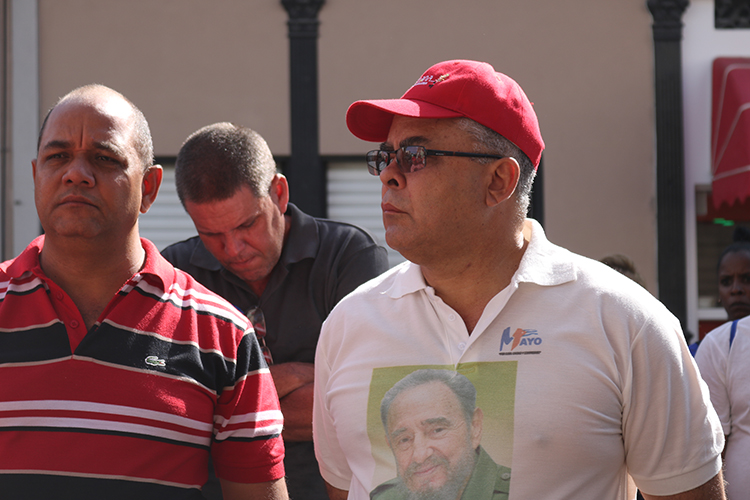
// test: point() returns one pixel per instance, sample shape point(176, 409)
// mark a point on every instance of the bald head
point(115, 104)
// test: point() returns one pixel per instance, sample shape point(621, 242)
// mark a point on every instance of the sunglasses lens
point(412, 158)
point(373, 157)
point(409, 159)
point(383, 160)
point(377, 161)
point(403, 158)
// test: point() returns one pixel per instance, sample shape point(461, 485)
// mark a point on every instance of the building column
point(670, 176)
point(305, 171)
point(19, 124)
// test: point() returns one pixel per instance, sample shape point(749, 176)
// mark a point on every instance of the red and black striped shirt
point(131, 408)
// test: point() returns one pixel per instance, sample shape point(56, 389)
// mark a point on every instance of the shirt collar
point(303, 240)
point(543, 263)
point(28, 260)
point(408, 279)
point(155, 265)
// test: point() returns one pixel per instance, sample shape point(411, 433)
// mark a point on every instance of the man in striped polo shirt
point(120, 373)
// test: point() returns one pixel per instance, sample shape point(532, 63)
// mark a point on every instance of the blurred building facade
point(588, 66)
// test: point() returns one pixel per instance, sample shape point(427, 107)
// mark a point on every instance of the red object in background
point(730, 130)
point(706, 325)
point(738, 212)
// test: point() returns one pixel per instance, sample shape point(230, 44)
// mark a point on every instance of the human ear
point(280, 192)
point(150, 186)
point(476, 427)
point(505, 174)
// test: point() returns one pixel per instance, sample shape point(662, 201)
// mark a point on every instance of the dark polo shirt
point(321, 262)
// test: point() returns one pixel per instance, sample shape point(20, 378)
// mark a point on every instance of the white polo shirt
point(727, 372)
point(583, 377)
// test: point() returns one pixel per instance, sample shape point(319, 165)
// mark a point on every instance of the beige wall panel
point(185, 63)
point(586, 64)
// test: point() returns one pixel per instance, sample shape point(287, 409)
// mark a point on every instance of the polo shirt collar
point(155, 264)
point(28, 260)
point(408, 279)
point(543, 263)
point(303, 240)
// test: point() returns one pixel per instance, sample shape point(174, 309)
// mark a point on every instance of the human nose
point(233, 245)
point(736, 286)
point(421, 449)
point(392, 176)
point(79, 171)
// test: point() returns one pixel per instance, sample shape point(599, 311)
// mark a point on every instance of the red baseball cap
point(454, 89)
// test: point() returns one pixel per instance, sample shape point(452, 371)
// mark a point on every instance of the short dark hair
point(457, 383)
point(487, 140)
point(217, 160)
point(740, 243)
point(144, 144)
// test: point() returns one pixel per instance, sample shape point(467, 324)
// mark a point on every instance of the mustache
point(78, 196)
point(431, 461)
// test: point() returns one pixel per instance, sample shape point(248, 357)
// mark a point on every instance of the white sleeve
point(711, 357)
point(672, 436)
point(331, 458)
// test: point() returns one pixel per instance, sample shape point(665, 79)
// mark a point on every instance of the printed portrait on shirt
point(441, 432)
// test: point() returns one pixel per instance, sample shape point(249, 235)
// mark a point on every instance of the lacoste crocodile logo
point(155, 361)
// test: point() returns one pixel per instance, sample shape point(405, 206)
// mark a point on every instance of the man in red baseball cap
point(585, 382)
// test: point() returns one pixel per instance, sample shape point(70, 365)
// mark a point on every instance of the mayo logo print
point(528, 342)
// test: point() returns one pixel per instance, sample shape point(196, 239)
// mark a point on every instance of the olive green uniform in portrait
point(489, 481)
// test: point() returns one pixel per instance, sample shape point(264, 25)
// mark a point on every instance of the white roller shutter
point(166, 221)
point(354, 197)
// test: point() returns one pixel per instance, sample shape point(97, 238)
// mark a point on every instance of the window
point(731, 14)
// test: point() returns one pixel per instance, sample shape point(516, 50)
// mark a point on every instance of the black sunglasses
point(411, 159)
